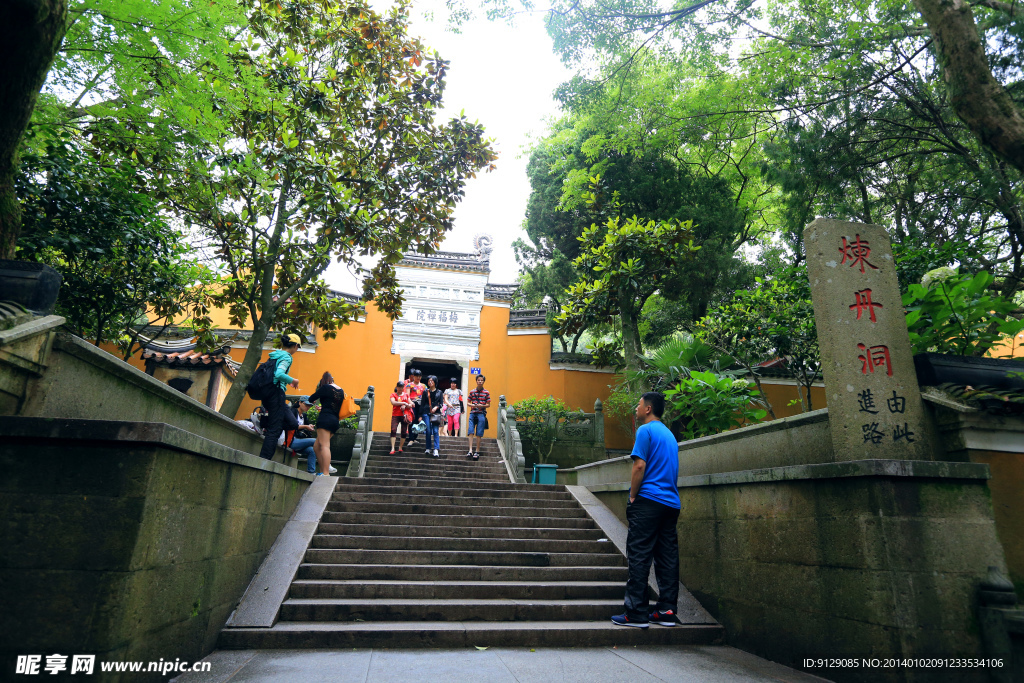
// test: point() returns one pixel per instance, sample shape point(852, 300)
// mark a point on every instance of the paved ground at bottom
point(639, 664)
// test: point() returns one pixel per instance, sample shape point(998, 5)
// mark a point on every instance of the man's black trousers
point(652, 536)
point(278, 419)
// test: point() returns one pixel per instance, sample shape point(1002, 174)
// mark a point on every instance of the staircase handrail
point(509, 442)
point(364, 435)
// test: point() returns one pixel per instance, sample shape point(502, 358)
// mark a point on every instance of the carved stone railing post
point(598, 424)
point(510, 428)
point(501, 419)
point(369, 395)
point(364, 434)
point(514, 446)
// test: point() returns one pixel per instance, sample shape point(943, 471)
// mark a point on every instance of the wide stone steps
point(441, 572)
point(452, 489)
point(459, 462)
point(428, 465)
point(506, 485)
point(446, 552)
point(450, 510)
point(460, 532)
point(486, 557)
point(446, 520)
point(531, 545)
point(434, 478)
point(453, 500)
point(435, 474)
point(460, 609)
point(457, 634)
point(452, 590)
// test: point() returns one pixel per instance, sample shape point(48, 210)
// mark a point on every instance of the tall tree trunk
point(253, 354)
point(977, 97)
point(631, 348)
point(31, 32)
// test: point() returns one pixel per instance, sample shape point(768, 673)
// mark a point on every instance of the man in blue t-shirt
point(652, 514)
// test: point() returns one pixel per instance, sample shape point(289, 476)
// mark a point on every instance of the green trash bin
point(544, 474)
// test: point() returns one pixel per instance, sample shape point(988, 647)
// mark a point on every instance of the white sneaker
point(436, 454)
point(332, 469)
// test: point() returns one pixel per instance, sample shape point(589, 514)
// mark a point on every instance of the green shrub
point(705, 403)
point(537, 420)
point(954, 313)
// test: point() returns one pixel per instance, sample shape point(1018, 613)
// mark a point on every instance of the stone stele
point(874, 403)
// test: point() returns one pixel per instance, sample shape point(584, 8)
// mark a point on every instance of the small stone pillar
point(875, 409)
point(598, 423)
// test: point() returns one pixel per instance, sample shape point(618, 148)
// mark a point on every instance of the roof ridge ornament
point(482, 242)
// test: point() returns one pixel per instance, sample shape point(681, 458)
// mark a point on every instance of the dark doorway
point(443, 370)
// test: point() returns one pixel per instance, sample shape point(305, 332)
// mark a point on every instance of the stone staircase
point(426, 552)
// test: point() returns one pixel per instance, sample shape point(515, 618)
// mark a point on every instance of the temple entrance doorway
point(444, 370)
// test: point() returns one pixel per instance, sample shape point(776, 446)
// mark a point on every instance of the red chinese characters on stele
point(862, 300)
point(856, 252)
point(874, 357)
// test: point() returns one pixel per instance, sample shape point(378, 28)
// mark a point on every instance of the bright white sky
point(504, 78)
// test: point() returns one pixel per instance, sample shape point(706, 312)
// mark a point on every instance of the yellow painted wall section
point(779, 395)
point(494, 360)
point(359, 357)
point(518, 366)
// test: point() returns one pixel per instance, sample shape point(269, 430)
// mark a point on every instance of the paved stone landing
point(635, 664)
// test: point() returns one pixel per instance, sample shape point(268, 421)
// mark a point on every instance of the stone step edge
point(425, 634)
point(398, 582)
point(445, 602)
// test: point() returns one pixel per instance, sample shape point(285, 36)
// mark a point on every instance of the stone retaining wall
point(129, 540)
point(800, 559)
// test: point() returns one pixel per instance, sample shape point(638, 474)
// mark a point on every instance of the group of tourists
point(313, 441)
point(418, 407)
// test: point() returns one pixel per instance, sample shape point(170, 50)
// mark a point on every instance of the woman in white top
point(453, 410)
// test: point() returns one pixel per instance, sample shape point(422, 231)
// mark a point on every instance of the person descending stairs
point(425, 552)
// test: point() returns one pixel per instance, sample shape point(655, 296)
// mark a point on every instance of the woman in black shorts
point(330, 396)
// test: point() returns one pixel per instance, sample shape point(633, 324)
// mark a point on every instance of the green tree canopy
point(622, 263)
point(123, 266)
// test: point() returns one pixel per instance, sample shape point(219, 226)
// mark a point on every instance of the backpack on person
point(262, 381)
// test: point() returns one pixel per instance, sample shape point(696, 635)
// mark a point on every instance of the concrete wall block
point(180, 479)
point(697, 503)
point(163, 596)
point(110, 388)
point(849, 565)
point(732, 539)
point(799, 440)
point(84, 469)
point(955, 545)
point(148, 573)
point(231, 576)
point(270, 529)
point(47, 608)
point(184, 640)
point(47, 532)
point(696, 537)
point(176, 534)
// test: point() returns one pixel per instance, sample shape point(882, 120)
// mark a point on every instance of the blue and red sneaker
point(666, 618)
point(624, 620)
